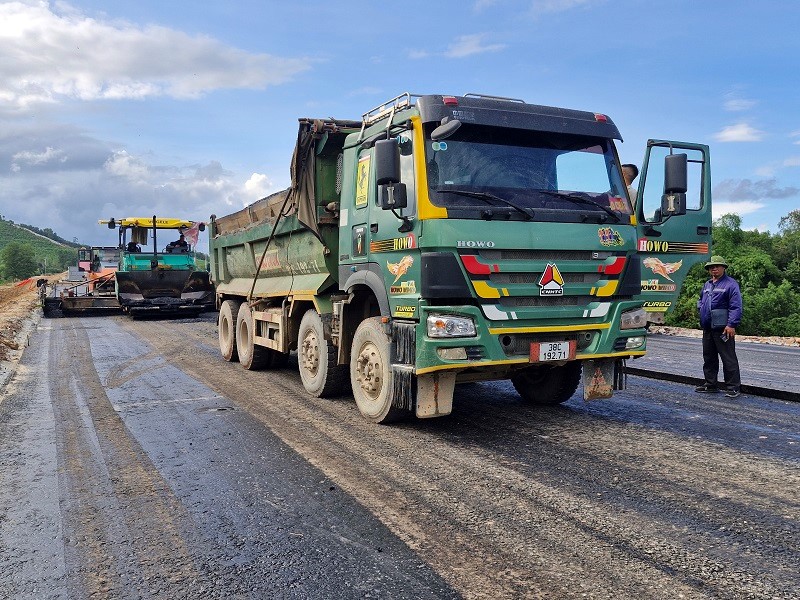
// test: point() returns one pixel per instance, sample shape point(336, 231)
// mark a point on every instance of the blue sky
point(188, 109)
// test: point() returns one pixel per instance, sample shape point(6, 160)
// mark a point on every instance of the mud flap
point(602, 376)
point(435, 394)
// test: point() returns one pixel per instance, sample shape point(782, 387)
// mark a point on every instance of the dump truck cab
point(500, 237)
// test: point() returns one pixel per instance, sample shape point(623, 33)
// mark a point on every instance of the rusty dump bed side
point(261, 211)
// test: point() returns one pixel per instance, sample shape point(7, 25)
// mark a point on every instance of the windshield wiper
point(487, 197)
point(581, 200)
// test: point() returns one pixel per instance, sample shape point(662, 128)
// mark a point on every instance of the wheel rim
point(309, 352)
point(225, 327)
point(244, 336)
point(369, 371)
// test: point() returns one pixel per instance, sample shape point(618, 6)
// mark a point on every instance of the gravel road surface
point(136, 463)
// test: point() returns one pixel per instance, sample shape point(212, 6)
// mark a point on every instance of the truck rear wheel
point(251, 357)
point(316, 359)
point(226, 327)
point(371, 373)
point(548, 386)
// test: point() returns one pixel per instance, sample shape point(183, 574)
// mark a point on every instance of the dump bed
point(286, 243)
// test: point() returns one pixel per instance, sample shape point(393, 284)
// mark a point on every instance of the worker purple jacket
point(724, 293)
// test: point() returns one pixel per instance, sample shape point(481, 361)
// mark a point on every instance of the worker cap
point(716, 261)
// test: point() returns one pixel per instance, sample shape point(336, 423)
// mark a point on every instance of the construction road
point(136, 463)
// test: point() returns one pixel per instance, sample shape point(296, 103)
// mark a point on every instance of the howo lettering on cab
point(443, 239)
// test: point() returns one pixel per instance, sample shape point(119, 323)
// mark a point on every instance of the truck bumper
point(500, 347)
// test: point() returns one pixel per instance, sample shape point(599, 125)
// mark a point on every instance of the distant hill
point(49, 248)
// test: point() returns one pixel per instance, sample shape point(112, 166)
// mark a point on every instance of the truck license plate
point(552, 351)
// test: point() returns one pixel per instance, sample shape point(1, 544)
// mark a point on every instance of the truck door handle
point(373, 228)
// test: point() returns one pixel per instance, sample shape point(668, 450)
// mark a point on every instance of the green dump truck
point(444, 239)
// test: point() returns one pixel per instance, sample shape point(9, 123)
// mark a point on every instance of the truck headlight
point(633, 319)
point(634, 342)
point(449, 326)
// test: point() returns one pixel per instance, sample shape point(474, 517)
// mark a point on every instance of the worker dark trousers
point(714, 349)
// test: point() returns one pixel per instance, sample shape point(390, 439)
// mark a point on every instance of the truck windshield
point(525, 175)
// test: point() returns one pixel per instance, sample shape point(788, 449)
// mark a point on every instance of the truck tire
point(226, 327)
point(316, 359)
point(371, 373)
point(251, 357)
point(548, 386)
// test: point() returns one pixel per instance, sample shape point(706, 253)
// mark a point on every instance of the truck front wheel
point(371, 373)
point(251, 357)
point(226, 326)
point(548, 386)
point(316, 359)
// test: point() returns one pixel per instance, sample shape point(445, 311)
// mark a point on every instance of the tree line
point(23, 253)
point(767, 268)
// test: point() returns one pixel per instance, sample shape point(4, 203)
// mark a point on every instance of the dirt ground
point(17, 303)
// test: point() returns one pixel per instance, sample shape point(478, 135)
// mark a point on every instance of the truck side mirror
point(393, 197)
point(673, 202)
point(675, 174)
point(387, 162)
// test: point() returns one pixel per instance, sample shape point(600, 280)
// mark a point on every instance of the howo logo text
point(646, 245)
point(474, 244)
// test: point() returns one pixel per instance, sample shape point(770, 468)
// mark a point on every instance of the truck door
point(385, 255)
point(670, 244)
point(393, 242)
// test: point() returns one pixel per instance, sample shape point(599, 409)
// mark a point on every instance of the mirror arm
point(406, 224)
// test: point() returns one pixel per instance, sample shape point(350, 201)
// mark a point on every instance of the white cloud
point(467, 45)
point(36, 158)
point(71, 200)
point(738, 104)
point(766, 171)
point(54, 54)
point(461, 47)
point(258, 186)
point(418, 54)
point(740, 208)
point(741, 132)
point(792, 161)
point(121, 164)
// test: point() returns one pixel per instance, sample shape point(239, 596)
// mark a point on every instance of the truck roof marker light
point(450, 100)
point(600, 118)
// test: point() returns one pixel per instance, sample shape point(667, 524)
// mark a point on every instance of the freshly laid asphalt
point(767, 370)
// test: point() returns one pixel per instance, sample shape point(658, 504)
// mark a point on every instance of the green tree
point(753, 269)
point(771, 311)
point(66, 257)
point(727, 233)
point(787, 246)
point(19, 261)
